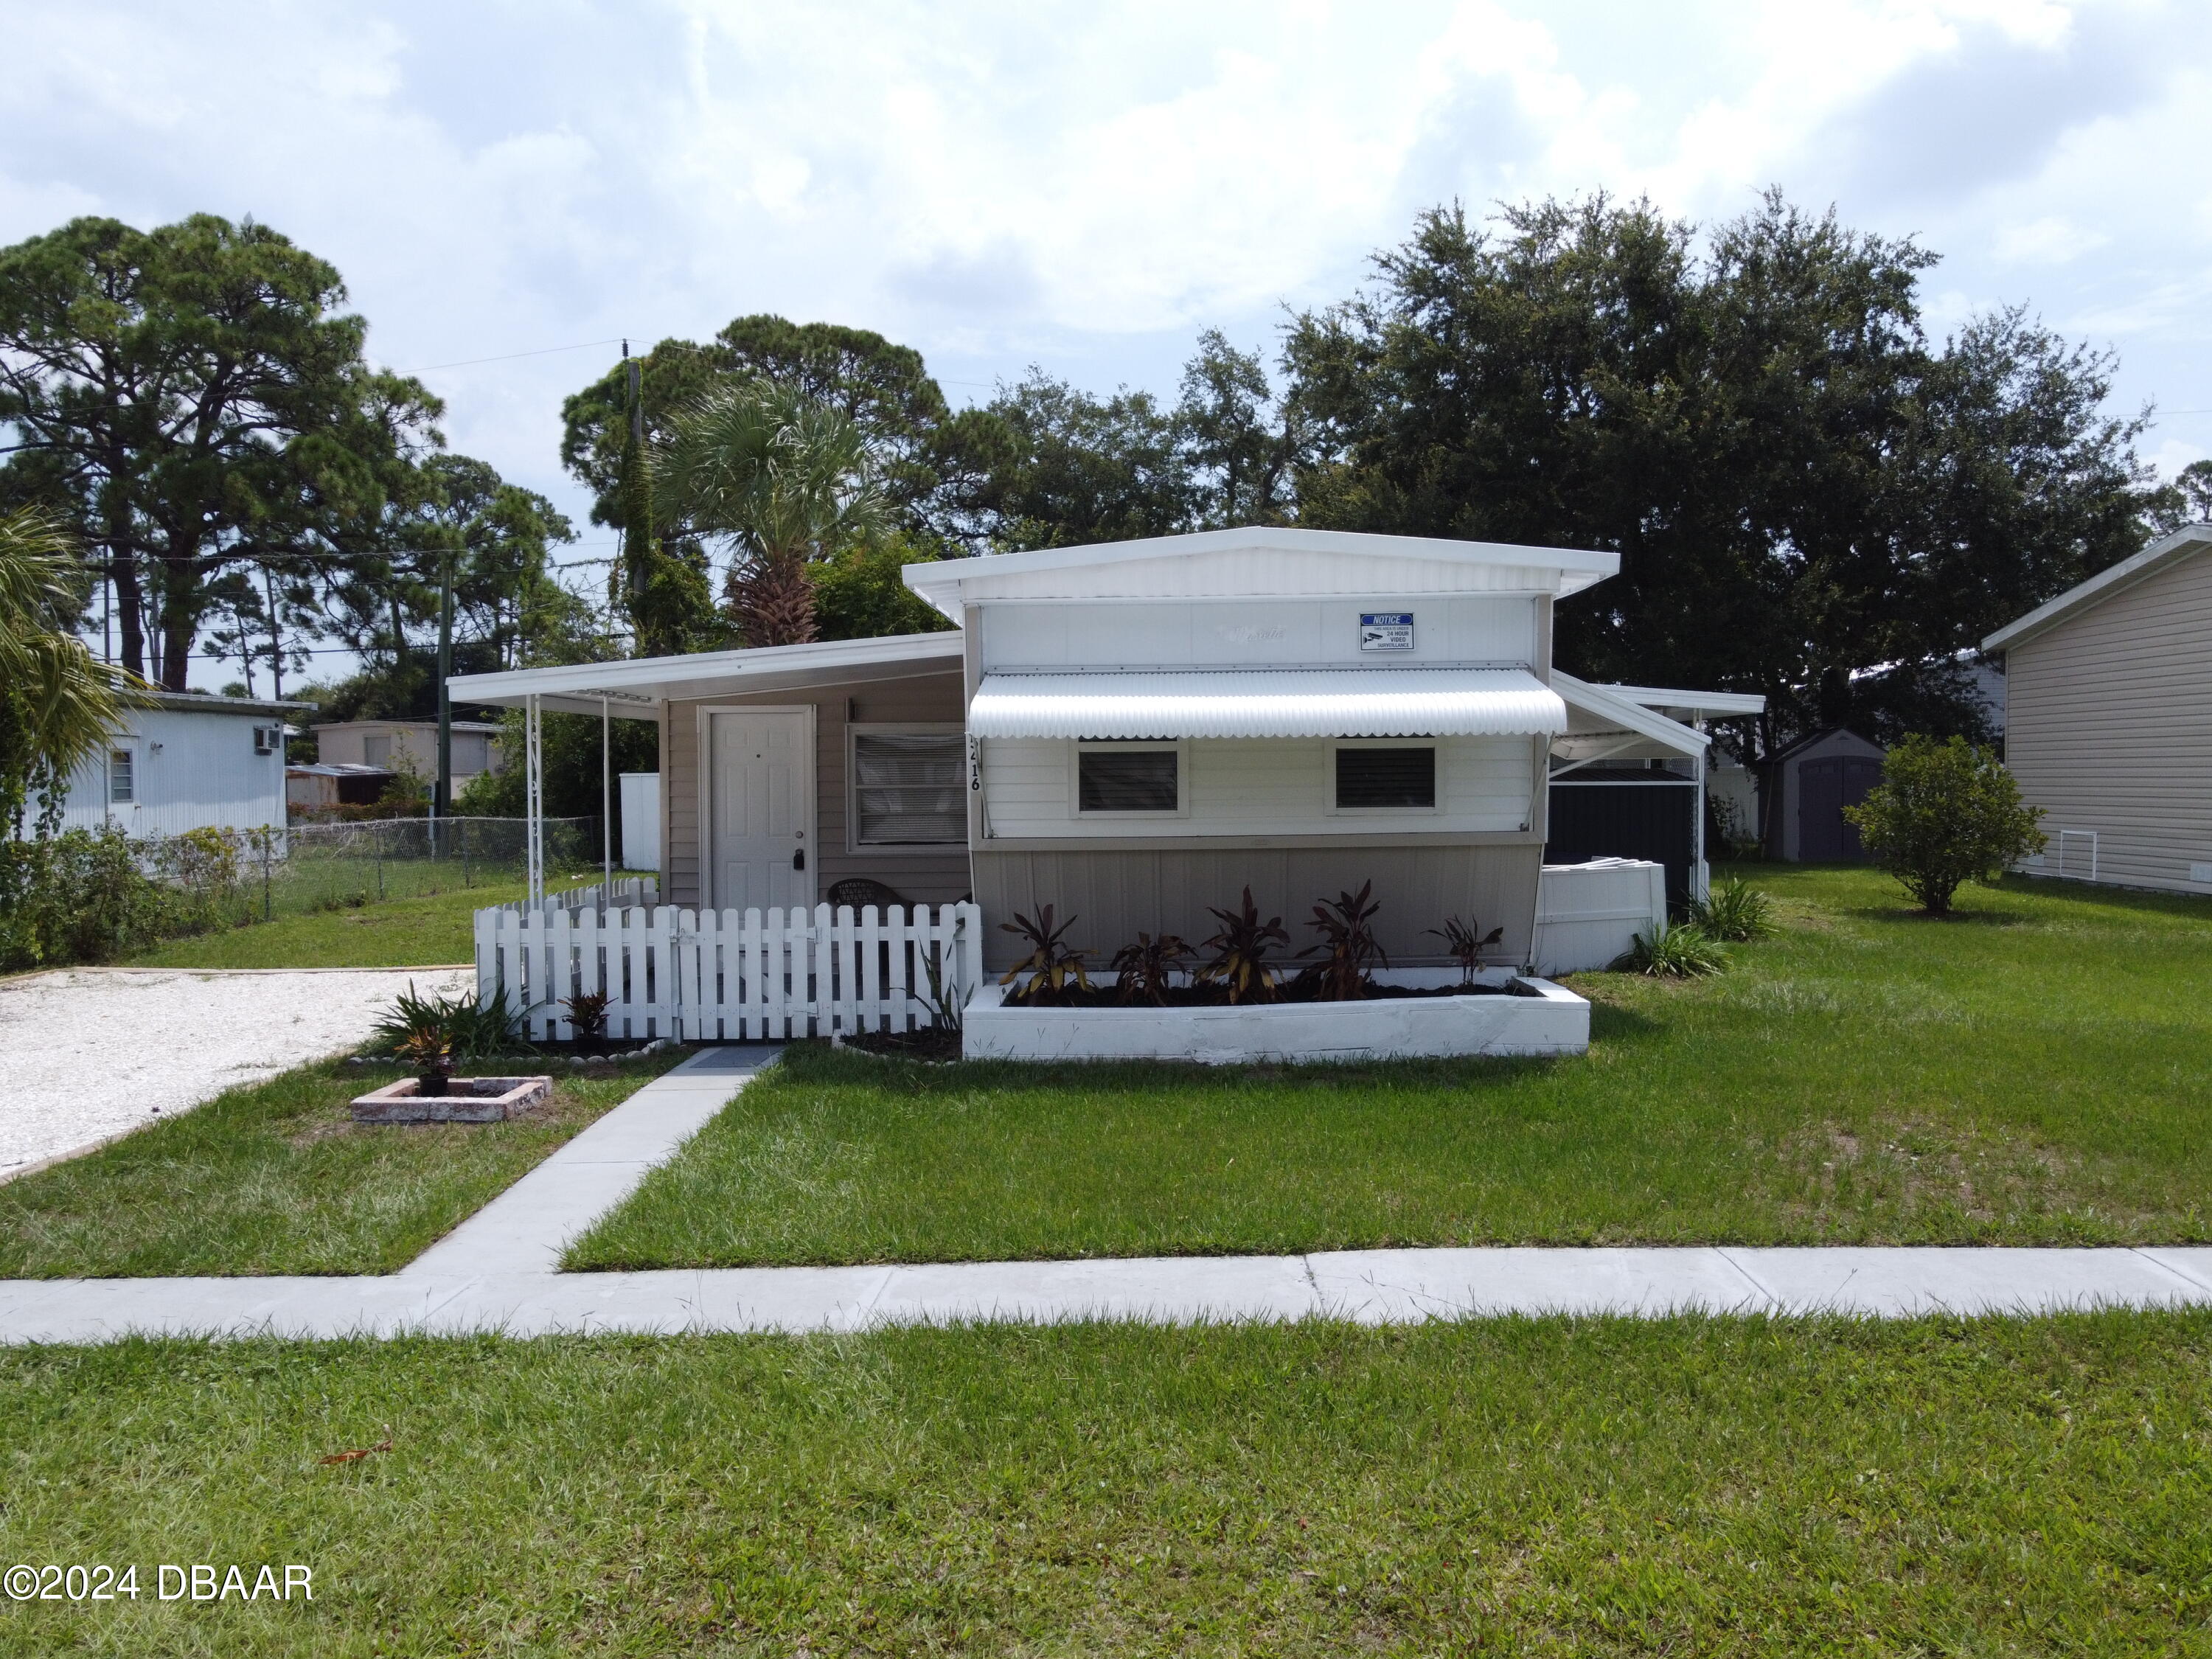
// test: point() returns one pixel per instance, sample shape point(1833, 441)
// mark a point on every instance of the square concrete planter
point(1538, 1017)
point(472, 1100)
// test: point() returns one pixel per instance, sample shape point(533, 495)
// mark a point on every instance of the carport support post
point(534, 790)
point(1700, 877)
point(606, 808)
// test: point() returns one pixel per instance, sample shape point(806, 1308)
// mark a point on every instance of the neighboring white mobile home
point(1135, 733)
point(186, 761)
point(2108, 718)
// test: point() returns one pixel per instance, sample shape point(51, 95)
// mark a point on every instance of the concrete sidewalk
point(496, 1271)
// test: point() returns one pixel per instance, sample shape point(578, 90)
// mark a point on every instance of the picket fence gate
point(731, 975)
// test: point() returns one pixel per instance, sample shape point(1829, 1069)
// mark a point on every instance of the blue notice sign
point(1386, 630)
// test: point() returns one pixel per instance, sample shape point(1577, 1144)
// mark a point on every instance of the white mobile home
point(1135, 733)
point(2108, 718)
point(186, 761)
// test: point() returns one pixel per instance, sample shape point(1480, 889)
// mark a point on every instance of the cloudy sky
point(1086, 185)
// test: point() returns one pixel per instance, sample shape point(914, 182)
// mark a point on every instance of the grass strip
point(2030, 1073)
point(275, 1177)
point(1586, 1487)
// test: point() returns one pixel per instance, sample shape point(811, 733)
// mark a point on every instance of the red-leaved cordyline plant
point(1465, 945)
point(1051, 964)
point(1349, 951)
point(1239, 961)
point(1147, 968)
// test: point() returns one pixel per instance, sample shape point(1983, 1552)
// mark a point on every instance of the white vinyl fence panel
point(731, 975)
point(1587, 914)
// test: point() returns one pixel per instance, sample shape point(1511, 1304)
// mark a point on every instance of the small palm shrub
point(1146, 969)
point(1682, 952)
point(1349, 951)
point(1239, 963)
point(1735, 911)
point(467, 1029)
point(1052, 964)
point(1465, 945)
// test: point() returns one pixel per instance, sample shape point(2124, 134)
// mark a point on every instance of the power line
point(508, 357)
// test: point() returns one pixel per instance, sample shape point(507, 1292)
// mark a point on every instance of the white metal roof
point(1601, 719)
point(1711, 705)
point(1259, 561)
point(635, 688)
point(2189, 540)
point(1306, 702)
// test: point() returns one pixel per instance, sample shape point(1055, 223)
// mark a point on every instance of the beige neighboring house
point(411, 746)
point(2108, 718)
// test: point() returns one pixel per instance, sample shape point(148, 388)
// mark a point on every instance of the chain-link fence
point(258, 874)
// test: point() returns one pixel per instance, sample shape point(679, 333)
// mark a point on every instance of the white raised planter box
point(1541, 1018)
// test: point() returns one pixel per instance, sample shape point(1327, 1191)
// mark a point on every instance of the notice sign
point(1386, 630)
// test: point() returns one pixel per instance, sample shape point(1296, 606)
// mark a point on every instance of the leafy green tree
point(1798, 483)
point(1242, 448)
point(788, 480)
point(1944, 814)
point(1078, 468)
point(194, 401)
point(2187, 499)
point(859, 594)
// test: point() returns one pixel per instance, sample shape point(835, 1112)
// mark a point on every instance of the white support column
point(606, 808)
point(533, 786)
point(1701, 880)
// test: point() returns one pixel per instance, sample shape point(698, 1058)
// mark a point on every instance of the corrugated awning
point(1298, 702)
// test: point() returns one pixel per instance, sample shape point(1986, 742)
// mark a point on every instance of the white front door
point(760, 804)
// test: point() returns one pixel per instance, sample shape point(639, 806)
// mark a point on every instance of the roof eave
point(2181, 543)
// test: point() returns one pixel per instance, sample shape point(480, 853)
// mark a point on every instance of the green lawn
point(2032, 1072)
point(429, 930)
point(1542, 1487)
point(276, 1178)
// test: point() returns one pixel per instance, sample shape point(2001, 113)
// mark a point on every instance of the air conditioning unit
point(268, 739)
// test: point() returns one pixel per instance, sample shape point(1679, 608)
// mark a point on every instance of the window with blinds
point(906, 789)
point(1368, 778)
point(1127, 781)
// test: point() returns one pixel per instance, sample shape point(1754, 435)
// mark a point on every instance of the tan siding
point(1115, 895)
point(2109, 725)
point(919, 878)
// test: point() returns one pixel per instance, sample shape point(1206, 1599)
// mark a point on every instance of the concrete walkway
point(496, 1271)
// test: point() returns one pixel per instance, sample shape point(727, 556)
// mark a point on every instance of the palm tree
point(789, 479)
point(58, 704)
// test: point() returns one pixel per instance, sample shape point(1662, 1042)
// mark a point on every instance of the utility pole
point(441, 801)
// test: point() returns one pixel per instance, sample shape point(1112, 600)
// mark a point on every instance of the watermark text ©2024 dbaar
point(197, 1581)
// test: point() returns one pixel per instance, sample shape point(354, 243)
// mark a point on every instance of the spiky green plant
point(1735, 911)
point(1682, 952)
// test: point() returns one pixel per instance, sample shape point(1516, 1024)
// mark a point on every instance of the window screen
point(1126, 780)
point(376, 749)
point(906, 789)
point(1386, 777)
point(121, 783)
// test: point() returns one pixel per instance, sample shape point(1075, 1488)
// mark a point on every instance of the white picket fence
point(730, 975)
point(628, 892)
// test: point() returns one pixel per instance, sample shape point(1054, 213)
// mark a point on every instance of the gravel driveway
point(87, 1055)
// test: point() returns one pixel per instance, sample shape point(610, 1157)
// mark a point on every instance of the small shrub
point(1735, 911)
point(80, 896)
point(1945, 814)
point(1465, 945)
point(587, 1015)
point(1683, 952)
point(1146, 971)
point(1349, 951)
point(1239, 964)
point(469, 1030)
point(431, 1054)
point(1052, 965)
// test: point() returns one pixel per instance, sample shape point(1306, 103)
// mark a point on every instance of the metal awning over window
point(1287, 703)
